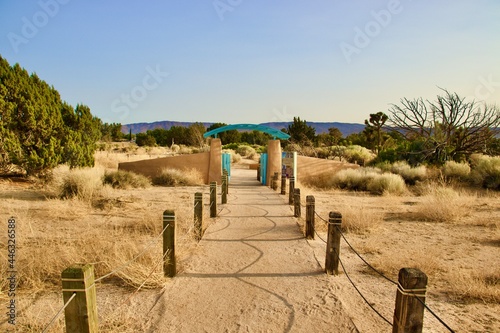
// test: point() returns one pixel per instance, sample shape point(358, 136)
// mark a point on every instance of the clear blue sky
point(242, 61)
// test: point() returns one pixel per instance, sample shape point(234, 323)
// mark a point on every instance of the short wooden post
point(409, 312)
point(274, 183)
point(213, 199)
point(333, 243)
point(283, 184)
point(198, 215)
point(290, 193)
point(296, 202)
point(310, 207)
point(169, 264)
point(224, 189)
point(81, 312)
point(258, 172)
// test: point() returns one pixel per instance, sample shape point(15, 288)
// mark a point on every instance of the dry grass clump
point(443, 204)
point(84, 184)
point(486, 171)
point(358, 154)
point(368, 179)
point(411, 175)
point(176, 177)
point(482, 286)
point(360, 220)
point(126, 179)
point(456, 171)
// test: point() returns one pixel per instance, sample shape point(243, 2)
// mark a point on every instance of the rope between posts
point(59, 313)
point(137, 256)
point(366, 262)
point(359, 292)
point(435, 315)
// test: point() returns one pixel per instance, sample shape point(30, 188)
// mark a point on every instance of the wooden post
point(258, 172)
point(310, 207)
point(290, 193)
point(81, 312)
point(274, 183)
point(296, 202)
point(333, 244)
point(409, 312)
point(213, 199)
point(224, 189)
point(283, 184)
point(169, 264)
point(198, 215)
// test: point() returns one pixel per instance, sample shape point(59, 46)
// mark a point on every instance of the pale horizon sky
point(241, 61)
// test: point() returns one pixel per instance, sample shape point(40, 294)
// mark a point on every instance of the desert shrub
point(455, 170)
point(232, 146)
point(386, 183)
point(358, 154)
point(125, 179)
point(184, 150)
point(443, 204)
point(354, 179)
point(486, 172)
point(175, 148)
point(235, 158)
point(245, 151)
point(410, 174)
point(176, 177)
point(84, 184)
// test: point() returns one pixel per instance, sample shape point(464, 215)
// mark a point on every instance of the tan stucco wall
point(273, 160)
point(215, 168)
point(152, 167)
point(311, 167)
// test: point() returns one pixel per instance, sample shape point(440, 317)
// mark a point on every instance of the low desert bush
point(176, 177)
point(410, 174)
point(84, 184)
point(387, 183)
point(443, 204)
point(245, 151)
point(486, 172)
point(455, 171)
point(369, 179)
point(125, 179)
point(358, 154)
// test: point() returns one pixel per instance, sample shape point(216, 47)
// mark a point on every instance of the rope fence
point(414, 295)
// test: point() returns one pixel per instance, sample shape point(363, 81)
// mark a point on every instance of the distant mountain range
point(345, 128)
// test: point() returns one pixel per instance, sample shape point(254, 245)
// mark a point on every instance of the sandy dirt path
point(253, 271)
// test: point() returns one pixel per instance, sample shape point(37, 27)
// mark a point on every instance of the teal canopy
point(276, 134)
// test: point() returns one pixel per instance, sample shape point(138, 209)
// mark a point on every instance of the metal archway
point(276, 134)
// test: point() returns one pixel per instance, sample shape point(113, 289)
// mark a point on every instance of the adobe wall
point(308, 167)
point(150, 168)
point(273, 160)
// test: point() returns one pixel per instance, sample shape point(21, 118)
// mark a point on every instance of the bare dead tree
point(450, 127)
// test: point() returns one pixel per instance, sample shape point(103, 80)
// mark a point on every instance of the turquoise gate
point(263, 168)
point(226, 163)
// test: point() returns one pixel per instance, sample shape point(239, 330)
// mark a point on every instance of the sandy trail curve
point(252, 272)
